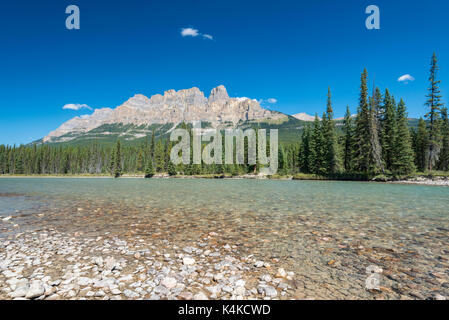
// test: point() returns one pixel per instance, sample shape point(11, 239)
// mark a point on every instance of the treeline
point(377, 140)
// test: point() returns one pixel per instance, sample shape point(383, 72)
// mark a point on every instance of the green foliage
point(403, 156)
point(444, 155)
point(348, 143)
point(332, 163)
point(434, 104)
point(149, 169)
point(117, 168)
point(366, 139)
point(421, 146)
point(388, 133)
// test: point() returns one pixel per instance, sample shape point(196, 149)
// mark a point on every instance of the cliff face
point(173, 107)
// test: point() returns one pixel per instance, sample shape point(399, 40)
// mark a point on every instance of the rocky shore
point(428, 181)
point(50, 265)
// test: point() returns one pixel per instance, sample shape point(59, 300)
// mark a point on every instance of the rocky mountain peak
point(173, 107)
point(218, 93)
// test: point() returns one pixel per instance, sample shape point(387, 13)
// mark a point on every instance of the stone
point(240, 283)
point(84, 281)
point(130, 294)
point(215, 290)
point(259, 264)
point(188, 261)
point(98, 261)
point(239, 291)
point(115, 291)
point(218, 276)
point(269, 291)
point(200, 296)
point(265, 277)
point(185, 295)
point(110, 263)
point(99, 293)
point(281, 273)
point(20, 292)
point(169, 282)
point(35, 290)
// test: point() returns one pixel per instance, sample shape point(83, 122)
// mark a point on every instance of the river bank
point(419, 179)
point(50, 265)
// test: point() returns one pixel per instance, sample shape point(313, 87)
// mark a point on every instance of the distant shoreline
point(416, 180)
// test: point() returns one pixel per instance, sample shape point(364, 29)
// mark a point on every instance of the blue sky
point(287, 50)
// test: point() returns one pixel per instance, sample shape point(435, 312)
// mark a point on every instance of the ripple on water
point(326, 232)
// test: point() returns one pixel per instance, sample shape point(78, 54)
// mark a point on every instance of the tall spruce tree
point(159, 156)
point(366, 155)
point(444, 155)
point(348, 131)
point(421, 146)
point(388, 134)
point(117, 160)
point(434, 104)
point(152, 145)
point(376, 148)
point(379, 109)
point(149, 169)
point(317, 147)
point(403, 158)
point(331, 153)
point(304, 150)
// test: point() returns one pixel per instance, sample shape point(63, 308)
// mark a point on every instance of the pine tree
point(140, 160)
point(403, 160)
point(149, 170)
point(159, 156)
point(366, 159)
point(171, 169)
point(379, 110)
point(444, 155)
point(389, 129)
point(317, 148)
point(421, 146)
point(331, 158)
point(434, 104)
point(152, 144)
point(112, 161)
point(118, 160)
point(348, 131)
point(376, 148)
point(304, 150)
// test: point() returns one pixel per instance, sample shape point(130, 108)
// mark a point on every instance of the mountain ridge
point(186, 105)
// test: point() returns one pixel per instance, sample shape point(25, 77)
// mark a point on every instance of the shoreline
point(426, 180)
point(134, 268)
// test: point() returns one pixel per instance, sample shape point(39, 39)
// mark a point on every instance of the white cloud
point(406, 78)
point(270, 101)
point(76, 106)
point(189, 32)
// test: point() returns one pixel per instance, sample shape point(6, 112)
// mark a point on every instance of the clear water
point(303, 224)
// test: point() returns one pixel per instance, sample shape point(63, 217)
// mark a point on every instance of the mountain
point(141, 114)
point(304, 117)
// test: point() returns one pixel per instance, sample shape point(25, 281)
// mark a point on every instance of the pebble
point(101, 268)
point(169, 282)
point(200, 296)
point(35, 290)
point(188, 261)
